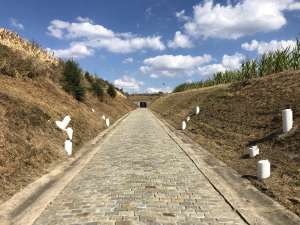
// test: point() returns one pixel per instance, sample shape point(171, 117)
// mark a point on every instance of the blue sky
point(152, 45)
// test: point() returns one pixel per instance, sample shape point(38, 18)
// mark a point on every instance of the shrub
point(72, 78)
point(111, 91)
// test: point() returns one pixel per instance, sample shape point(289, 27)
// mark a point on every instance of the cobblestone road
point(139, 176)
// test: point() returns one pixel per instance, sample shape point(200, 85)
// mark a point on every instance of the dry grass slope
point(235, 116)
point(30, 102)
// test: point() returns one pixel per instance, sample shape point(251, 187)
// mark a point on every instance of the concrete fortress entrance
point(143, 104)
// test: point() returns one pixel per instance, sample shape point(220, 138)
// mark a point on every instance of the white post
point(66, 121)
point(183, 125)
point(63, 124)
point(69, 131)
point(197, 110)
point(107, 122)
point(253, 151)
point(68, 147)
point(287, 120)
point(263, 169)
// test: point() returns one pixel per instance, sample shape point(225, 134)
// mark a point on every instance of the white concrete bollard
point(253, 151)
point(287, 120)
point(263, 169)
point(69, 131)
point(103, 117)
point(63, 124)
point(107, 122)
point(183, 125)
point(197, 110)
point(59, 124)
point(68, 147)
point(188, 119)
point(66, 121)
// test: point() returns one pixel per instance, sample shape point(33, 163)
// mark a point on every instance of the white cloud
point(128, 60)
point(84, 19)
point(180, 41)
point(233, 21)
point(15, 23)
point(74, 51)
point(118, 45)
point(80, 29)
point(128, 83)
point(85, 32)
point(263, 47)
point(154, 76)
point(152, 90)
point(232, 62)
point(181, 16)
point(229, 62)
point(294, 6)
point(172, 65)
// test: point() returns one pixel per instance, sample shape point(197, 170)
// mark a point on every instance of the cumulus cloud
point(180, 41)
point(15, 23)
point(152, 90)
point(85, 32)
point(128, 83)
point(233, 21)
point(229, 62)
point(262, 47)
point(76, 50)
point(128, 60)
point(154, 76)
point(294, 6)
point(172, 65)
point(84, 19)
point(181, 16)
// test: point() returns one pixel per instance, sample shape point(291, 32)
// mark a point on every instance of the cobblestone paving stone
point(139, 176)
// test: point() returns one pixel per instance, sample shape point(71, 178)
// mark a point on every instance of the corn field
point(272, 62)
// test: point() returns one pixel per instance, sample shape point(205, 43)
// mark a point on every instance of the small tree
point(88, 77)
point(72, 78)
point(97, 89)
point(111, 91)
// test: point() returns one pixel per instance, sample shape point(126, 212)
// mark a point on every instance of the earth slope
point(233, 117)
point(31, 100)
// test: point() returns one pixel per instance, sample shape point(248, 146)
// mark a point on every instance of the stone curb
point(254, 207)
point(25, 206)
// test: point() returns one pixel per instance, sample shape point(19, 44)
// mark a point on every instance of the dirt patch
point(233, 117)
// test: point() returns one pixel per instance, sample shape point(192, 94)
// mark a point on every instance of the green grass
point(287, 59)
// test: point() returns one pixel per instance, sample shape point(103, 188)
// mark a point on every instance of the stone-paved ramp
point(139, 176)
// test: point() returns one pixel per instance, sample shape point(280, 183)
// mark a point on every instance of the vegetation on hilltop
point(287, 59)
point(26, 59)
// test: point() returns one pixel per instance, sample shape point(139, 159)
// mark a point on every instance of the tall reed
point(269, 63)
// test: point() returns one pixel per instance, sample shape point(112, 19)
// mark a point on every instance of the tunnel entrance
point(143, 104)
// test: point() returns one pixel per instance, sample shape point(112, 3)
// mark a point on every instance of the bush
point(72, 78)
point(111, 91)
